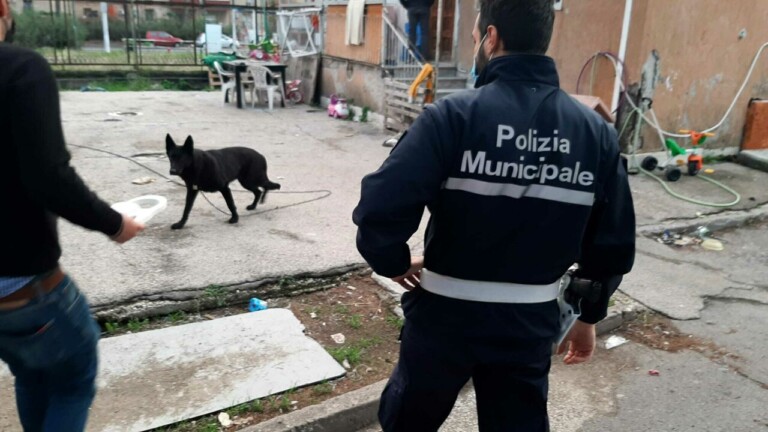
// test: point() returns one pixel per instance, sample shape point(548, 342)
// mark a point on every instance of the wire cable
point(655, 124)
point(325, 192)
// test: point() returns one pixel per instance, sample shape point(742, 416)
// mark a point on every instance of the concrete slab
point(615, 393)
point(653, 205)
point(305, 150)
point(577, 393)
point(664, 281)
point(737, 325)
point(743, 259)
point(692, 393)
point(155, 378)
point(757, 159)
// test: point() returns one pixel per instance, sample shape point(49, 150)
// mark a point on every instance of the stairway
point(399, 113)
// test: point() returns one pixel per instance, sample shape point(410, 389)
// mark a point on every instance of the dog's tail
point(268, 186)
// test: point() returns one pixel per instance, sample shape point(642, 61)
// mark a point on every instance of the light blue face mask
point(473, 73)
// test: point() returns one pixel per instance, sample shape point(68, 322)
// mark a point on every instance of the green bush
point(37, 30)
point(118, 30)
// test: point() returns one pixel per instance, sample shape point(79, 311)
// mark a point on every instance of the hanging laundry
point(355, 25)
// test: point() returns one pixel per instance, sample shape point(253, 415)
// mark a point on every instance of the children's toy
point(675, 157)
point(293, 91)
point(338, 107)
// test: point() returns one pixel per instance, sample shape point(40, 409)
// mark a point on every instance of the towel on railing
point(355, 24)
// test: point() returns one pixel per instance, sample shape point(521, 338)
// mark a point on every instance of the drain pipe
point(622, 53)
point(437, 43)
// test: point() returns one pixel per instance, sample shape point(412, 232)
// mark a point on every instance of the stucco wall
point(360, 83)
point(465, 51)
point(702, 59)
point(335, 35)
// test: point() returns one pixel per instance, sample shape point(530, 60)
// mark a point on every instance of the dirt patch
point(353, 308)
point(660, 333)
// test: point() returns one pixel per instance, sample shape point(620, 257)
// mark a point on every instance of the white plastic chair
point(227, 84)
point(264, 80)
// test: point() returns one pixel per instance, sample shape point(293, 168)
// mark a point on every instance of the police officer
point(521, 182)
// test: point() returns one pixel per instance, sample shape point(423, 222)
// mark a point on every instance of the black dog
point(214, 170)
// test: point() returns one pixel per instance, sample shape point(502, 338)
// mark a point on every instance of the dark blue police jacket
point(521, 181)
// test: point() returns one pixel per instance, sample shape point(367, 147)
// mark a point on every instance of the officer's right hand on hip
point(412, 278)
point(580, 343)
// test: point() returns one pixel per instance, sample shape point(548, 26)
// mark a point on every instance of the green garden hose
point(665, 185)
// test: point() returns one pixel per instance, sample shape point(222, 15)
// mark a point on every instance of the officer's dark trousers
point(504, 348)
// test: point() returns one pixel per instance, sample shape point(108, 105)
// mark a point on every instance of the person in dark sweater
point(418, 15)
point(47, 335)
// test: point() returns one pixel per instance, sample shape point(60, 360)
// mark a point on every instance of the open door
point(447, 36)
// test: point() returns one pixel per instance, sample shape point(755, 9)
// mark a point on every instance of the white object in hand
point(143, 208)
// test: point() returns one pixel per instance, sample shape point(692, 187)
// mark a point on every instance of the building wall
point(360, 83)
point(702, 60)
point(465, 51)
point(335, 32)
point(583, 28)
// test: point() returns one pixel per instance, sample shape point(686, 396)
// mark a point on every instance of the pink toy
point(338, 107)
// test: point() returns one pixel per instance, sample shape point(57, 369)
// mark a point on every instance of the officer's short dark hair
point(525, 26)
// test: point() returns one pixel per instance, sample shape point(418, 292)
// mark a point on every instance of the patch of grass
point(286, 281)
point(368, 343)
point(177, 316)
point(350, 353)
point(214, 290)
point(395, 321)
point(355, 321)
point(354, 351)
point(257, 406)
point(285, 403)
point(217, 293)
point(709, 159)
point(324, 388)
point(211, 426)
point(341, 309)
point(239, 410)
point(136, 325)
point(112, 327)
point(135, 84)
point(180, 85)
point(272, 402)
point(611, 302)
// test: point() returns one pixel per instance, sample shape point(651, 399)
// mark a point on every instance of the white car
point(226, 41)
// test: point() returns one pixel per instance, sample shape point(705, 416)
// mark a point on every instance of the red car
point(161, 38)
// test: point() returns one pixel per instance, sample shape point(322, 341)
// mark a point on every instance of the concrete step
point(757, 159)
point(452, 82)
point(155, 378)
point(443, 92)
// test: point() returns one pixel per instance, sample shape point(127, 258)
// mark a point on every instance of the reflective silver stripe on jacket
point(491, 292)
point(512, 190)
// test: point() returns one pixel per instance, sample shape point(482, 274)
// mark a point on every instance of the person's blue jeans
point(419, 16)
point(50, 345)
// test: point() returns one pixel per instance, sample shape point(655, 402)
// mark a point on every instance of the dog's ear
point(169, 144)
point(189, 144)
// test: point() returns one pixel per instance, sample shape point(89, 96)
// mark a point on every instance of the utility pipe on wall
point(622, 53)
point(437, 43)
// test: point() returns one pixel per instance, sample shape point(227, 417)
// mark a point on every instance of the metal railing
point(398, 56)
point(72, 32)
